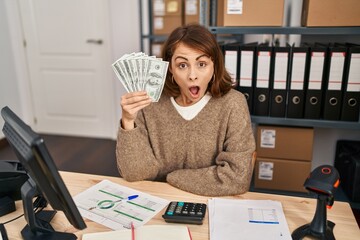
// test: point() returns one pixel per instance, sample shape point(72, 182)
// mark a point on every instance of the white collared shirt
point(190, 112)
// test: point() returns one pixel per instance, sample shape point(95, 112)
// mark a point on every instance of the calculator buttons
point(171, 208)
point(185, 212)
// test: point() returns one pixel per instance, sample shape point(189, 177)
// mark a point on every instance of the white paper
point(234, 7)
point(148, 232)
point(298, 71)
point(280, 73)
point(159, 7)
point(158, 23)
point(137, 211)
point(268, 138)
point(336, 70)
point(354, 74)
point(266, 171)
point(246, 68)
point(247, 219)
point(263, 70)
point(316, 70)
point(191, 7)
point(230, 64)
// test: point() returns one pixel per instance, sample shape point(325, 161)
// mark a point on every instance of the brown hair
point(197, 37)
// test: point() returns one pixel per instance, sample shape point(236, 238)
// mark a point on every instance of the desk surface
point(298, 211)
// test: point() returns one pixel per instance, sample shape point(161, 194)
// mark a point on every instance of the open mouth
point(194, 91)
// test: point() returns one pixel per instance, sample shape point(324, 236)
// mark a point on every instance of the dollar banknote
point(139, 72)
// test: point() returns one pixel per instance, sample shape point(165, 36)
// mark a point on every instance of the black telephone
point(12, 177)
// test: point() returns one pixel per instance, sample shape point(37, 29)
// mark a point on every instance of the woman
point(198, 136)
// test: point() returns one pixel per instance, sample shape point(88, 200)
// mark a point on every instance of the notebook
point(147, 232)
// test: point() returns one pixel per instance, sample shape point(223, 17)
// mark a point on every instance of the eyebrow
point(203, 55)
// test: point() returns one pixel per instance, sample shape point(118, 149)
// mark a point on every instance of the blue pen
point(126, 199)
point(106, 204)
point(132, 197)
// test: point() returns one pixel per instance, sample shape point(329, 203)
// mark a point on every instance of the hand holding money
point(131, 103)
point(138, 72)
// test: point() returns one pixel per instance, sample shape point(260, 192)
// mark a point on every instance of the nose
point(192, 74)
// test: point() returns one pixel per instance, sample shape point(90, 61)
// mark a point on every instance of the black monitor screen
point(44, 179)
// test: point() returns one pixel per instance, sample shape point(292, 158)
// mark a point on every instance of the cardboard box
point(220, 13)
point(280, 174)
point(167, 7)
point(285, 142)
point(330, 13)
point(156, 48)
point(163, 25)
point(167, 15)
point(252, 13)
point(192, 11)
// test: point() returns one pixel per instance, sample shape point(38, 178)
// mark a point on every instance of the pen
point(106, 204)
point(132, 231)
point(127, 199)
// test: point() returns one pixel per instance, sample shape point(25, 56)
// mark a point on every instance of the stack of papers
point(247, 219)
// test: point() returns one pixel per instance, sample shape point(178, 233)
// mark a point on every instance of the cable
point(12, 219)
point(39, 204)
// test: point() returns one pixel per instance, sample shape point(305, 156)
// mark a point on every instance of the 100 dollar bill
point(138, 72)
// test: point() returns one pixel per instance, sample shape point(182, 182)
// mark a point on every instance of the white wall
point(325, 139)
point(9, 93)
point(125, 30)
point(125, 37)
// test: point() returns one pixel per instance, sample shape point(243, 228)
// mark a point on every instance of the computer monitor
point(44, 180)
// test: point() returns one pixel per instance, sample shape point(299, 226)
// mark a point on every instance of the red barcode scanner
point(323, 181)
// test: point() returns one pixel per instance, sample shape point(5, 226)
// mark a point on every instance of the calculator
point(185, 212)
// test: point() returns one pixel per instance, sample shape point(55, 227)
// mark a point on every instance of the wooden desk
point(298, 211)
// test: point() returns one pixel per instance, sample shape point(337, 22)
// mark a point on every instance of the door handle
point(95, 41)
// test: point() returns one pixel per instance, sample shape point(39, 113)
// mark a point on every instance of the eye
point(202, 64)
point(182, 65)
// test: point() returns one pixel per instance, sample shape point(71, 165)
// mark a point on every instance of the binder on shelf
point(351, 99)
point(316, 79)
point(246, 72)
point(221, 46)
point(231, 53)
point(335, 82)
point(297, 82)
point(262, 80)
point(279, 79)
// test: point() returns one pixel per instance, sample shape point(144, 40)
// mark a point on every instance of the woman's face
point(192, 71)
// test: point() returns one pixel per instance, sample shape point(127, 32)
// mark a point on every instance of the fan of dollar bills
point(138, 72)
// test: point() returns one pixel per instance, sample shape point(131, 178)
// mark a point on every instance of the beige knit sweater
point(208, 155)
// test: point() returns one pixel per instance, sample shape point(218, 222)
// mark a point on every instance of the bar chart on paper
point(116, 206)
point(255, 219)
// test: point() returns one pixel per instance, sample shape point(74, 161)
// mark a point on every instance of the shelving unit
point(302, 122)
point(287, 30)
point(204, 7)
point(334, 31)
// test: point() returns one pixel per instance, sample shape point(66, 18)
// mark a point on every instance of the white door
point(68, 55)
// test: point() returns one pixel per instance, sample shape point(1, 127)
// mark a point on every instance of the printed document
point(106, 203)
point(232, 219)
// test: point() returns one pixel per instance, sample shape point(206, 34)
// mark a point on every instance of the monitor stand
point(38, 227)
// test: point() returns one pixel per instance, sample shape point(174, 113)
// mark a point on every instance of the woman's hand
point(131, 104)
